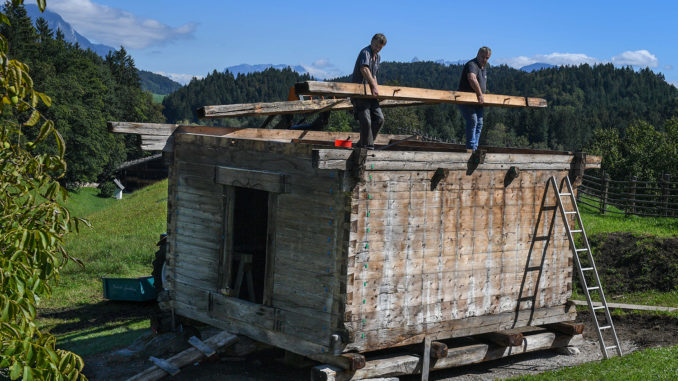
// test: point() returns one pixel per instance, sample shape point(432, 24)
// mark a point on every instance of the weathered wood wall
point(451, 261)
point(306, 231)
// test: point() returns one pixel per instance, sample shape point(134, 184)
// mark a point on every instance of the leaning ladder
point(583, 271)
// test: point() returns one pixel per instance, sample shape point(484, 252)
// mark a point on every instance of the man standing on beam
point(367, 111)
point(474, 80)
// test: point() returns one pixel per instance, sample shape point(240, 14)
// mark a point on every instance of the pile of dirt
point(629, 262)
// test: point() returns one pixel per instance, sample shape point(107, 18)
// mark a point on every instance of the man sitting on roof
point(367, 111)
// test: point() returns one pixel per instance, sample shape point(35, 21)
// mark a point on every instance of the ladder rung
point(579, 250)
point(611, 347)
point(541, 238)
point(593, 288)
point(566, 194)
point(549, 207)
point(606, 327)
point(571, 212)
point(598, 308)
point(533, 268)
point(576, 231)
point(587, 269)
point(526, 298)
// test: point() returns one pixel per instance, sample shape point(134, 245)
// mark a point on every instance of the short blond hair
point(380, 38)
point(485, 51)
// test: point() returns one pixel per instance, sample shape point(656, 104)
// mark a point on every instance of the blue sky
point(192, 38)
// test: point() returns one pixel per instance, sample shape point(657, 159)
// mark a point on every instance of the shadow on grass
point(95, 328)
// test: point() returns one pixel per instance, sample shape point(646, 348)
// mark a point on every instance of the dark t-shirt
point(365, 59)
point(472, 66)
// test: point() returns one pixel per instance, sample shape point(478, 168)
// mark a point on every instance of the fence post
point(603, 199)
point(665, 193)
point(632, 191)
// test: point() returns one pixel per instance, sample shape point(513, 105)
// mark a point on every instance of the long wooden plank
point(286, 107)
point(412, 93)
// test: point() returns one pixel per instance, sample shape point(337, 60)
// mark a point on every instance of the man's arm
point(473, 80)
point(367, 74)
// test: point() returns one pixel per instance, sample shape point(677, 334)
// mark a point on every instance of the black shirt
point(472, 66)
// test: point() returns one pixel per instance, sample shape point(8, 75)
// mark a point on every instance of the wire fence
point(630, 197)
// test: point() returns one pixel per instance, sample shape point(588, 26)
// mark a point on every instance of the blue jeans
point(473, 115)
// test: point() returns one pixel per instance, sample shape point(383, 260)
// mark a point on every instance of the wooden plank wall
point(451, 261)
point(307, 305)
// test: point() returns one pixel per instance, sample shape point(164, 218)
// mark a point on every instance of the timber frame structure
point(332, 252)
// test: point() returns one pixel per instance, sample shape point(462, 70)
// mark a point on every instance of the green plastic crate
point(129, 289)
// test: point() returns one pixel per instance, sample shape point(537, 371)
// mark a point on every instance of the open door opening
point(250, 226)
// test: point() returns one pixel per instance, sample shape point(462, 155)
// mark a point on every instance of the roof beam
point(357, 90)
point(287, 107)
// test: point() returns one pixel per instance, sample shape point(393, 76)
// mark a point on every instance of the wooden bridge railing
point(630, 197)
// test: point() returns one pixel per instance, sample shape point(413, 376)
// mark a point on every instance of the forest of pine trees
point(86, 91)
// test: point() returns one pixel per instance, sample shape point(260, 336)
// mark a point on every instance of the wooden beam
point(358, 90)
point(628, 306)
point(507, 338)
point(248, 178)
point(287, 107)
point(567, 328)
point(470, 353)
point(189, 356)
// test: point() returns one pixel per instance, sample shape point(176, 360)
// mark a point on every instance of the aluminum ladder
point(594, 284)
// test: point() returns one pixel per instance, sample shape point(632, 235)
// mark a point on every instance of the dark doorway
point(250, 226)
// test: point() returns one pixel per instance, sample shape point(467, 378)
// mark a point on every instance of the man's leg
point(377, 119)
point(470, 118)
point(362, 112)
point(479, 126)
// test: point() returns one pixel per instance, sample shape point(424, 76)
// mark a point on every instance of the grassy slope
point(120, 243)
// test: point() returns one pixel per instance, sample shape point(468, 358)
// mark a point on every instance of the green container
point(129, 289)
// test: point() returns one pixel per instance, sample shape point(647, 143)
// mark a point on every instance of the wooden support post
point(426, 359)
point(633, 184)
point(665, 193)
point(603, 198)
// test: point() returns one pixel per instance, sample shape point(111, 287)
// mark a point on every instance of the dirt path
point(635, 332)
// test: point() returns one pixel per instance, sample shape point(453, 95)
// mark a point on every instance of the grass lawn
point(595, 222)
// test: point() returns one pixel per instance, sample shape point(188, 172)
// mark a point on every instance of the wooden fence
point(641, 198)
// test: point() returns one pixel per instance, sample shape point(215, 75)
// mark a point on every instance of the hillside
point(156, 83)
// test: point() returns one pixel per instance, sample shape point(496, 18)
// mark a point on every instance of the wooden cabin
point(321, 250)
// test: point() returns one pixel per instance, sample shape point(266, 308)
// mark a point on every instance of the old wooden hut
point(321, 250)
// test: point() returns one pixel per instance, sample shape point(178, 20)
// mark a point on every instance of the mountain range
point(70, 34)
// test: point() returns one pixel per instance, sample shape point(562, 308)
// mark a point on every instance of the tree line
point(86, 91)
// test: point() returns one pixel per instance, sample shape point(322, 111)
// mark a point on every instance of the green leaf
point(45, 98)
point(28, 373)
point(42, 4)
point(15, 371)
point(4, 19)
point(33, 119)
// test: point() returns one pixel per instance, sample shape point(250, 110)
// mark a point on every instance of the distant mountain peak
point(536, 66)
point(247, 68)
point(55, 21)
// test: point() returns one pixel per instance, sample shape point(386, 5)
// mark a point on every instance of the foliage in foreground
point(32, 225)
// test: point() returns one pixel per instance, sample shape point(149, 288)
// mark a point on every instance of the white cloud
point(641, 58)
point(181, 78)
point(558, 59)
point(116, 27)
point(322, 69)
point(668, 67)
